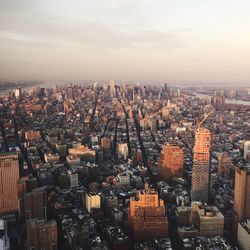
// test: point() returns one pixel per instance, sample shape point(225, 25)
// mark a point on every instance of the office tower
point(171, 162)
point(42, 235)
point(123, 151)
point(247, 151)
point(112, 88)
point(242, 193)
point(9, 175)
point(224, 164)
point(201, 165)
point(35, 204)
point(92, 201)
point(70, 93)
point(147, 215)
point(74, 179)
point(18, 92)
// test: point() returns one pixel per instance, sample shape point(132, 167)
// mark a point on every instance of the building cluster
point(124, 166)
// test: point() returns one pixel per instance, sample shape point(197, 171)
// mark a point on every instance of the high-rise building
point(247, 151)
point(147, 215)
point(201, 165)
point(35, 204)
point(42, 235)
point(112, 88)
point(92, 201)
point(70, 93)
point(171, 162)
point(123, 151)
point(224, 164)
point(9, 175)
point(18, 92)
point(242, 193)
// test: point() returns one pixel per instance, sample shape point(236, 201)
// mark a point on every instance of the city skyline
point(141, 40)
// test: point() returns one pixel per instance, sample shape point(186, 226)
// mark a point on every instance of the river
point(227, 100)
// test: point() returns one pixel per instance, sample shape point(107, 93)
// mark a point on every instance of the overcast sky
point(173, 40)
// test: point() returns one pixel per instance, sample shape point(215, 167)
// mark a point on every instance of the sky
point(139, 40)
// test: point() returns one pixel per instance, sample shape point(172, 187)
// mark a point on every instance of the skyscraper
point(242, 193)
point(9, 175)
point(35, 204)
point(201, 165)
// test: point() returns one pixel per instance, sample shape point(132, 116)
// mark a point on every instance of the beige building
point(93, 201)
point(244, 235)
point(207, 219)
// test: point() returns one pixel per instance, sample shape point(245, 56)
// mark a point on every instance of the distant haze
point(141, 40)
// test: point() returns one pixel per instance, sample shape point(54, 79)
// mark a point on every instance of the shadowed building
point(171, 162)
point(42, 235)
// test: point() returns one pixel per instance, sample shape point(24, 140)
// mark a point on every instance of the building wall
point(242, 193)
point(171, 162)
point(201, 166)
point(243, 238)
point(9, 175)
point(93, 201)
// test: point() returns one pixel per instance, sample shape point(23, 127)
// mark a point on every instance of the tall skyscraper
point(201, 165)
point(171, 162)
point(70, 94)
point(242, 193)
point(9, 175)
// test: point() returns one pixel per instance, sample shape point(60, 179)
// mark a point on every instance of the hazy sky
point(176, 40)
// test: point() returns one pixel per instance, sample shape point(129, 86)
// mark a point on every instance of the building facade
point(9, 175)
point(201, 165)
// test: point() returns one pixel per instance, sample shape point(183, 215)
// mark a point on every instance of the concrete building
point(247, 151)
point(243, 237)
point(123, 151)
point(74, 179)
point(171, 162)
point(208, 219)
point(201, 165)
point(92, 201)
point(201, 220)
point(4, 239)
point(9, 175)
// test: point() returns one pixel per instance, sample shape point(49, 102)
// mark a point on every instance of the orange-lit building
point(147, 215)
point(9, 175)
point(242, 193)
point(171, 162)
point(201, 165)
point(32, 135)
point(106, 143)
